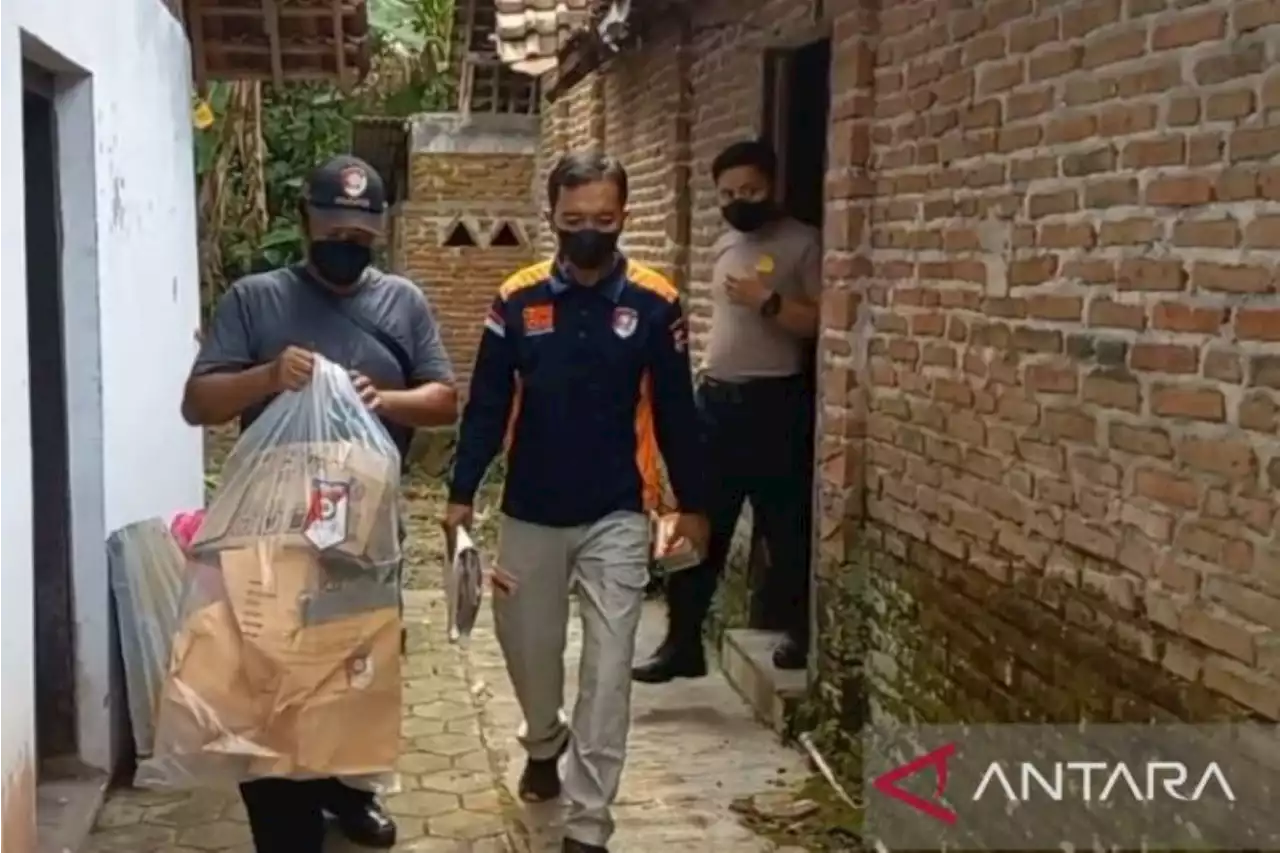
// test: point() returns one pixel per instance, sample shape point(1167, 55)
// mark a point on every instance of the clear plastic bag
point(287, 661)
point(147, 566)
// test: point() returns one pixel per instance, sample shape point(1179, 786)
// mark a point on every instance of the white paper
point(464, 586)
point(327, 513)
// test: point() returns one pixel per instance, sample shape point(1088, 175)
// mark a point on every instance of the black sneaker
point(540, 781)
point(367, 826)
point(573, 846)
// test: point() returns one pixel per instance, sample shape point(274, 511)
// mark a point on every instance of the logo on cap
point(354, 181)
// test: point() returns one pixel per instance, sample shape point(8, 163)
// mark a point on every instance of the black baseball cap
point(346, 192)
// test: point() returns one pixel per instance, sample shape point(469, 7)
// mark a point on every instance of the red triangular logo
point(887, 783)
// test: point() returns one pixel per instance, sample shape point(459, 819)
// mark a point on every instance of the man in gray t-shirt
point(756, 400)
point(262, 341)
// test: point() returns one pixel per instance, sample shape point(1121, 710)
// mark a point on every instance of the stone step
point(746, 658)
point(68, 799)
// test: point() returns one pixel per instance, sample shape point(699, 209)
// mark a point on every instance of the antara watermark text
point(1100, 781)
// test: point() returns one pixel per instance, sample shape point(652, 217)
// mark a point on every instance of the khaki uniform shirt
point(787, 256)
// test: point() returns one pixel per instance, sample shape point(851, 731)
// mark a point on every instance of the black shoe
point(574, 846)
point(540, 781)
point(368, 826)
point(671, 661)
point(790, 655)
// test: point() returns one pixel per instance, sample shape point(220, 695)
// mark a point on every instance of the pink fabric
point(184, 526)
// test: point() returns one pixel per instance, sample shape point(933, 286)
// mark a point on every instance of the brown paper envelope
point(207, 679)
point(338, 712)
point(682, 557)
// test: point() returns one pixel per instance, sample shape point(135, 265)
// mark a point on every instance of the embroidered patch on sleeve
point(493, 322)
point(679, 334)
point(539, 319)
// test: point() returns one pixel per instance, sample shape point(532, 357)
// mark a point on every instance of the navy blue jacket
point(585, 384)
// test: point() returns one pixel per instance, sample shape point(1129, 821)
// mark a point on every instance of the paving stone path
point(694, 749)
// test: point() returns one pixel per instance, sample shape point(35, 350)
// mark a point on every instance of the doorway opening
point(797, 99)
point(55, 653)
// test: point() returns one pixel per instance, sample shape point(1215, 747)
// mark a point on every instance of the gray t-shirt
point(264, 313)
point(742, 345)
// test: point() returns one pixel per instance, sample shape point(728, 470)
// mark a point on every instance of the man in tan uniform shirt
point(756, 401)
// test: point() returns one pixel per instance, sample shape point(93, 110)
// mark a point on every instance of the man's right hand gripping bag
point(286, 662)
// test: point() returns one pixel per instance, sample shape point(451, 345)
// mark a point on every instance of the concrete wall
point(1051, 349)
point(129, 276)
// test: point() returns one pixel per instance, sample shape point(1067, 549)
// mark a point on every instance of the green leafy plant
point(251, 162)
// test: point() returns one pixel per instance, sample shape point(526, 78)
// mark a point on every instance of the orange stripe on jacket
point(522, 279)
point(648, 456)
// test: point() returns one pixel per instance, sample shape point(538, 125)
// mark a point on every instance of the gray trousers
point(608, 563)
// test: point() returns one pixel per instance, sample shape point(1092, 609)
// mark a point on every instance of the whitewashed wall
point(130, 285)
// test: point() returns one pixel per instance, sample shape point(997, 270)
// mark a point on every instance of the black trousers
point(287, 815)
point(758, 444)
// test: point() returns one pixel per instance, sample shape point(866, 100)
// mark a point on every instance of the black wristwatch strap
point(771, 306)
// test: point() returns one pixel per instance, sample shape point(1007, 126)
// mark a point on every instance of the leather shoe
point(368, 826)
point(670, 662)
point(572, 845)
point(790, 654)
point(540, 781)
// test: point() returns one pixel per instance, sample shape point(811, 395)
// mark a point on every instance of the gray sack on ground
point(147, 567)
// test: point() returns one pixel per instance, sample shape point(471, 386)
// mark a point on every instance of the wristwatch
point(771, 306)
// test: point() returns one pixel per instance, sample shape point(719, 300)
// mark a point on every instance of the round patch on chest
point(764, 264)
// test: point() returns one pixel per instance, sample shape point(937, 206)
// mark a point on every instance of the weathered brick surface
point(1050, 412)
point(1069, 325)
point(484, 190)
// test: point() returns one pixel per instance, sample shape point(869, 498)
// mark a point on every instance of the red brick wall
point(1076, 343)
point(1051, 348)
point(461, 282)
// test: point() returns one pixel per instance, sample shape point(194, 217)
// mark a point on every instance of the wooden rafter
point(279, 40)
point(466, 85)
point(271, 22)
point(194, 15)
point(339, 45)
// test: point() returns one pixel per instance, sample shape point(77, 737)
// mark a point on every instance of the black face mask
point(748, 215)
point(587, 248)
point(339, 262)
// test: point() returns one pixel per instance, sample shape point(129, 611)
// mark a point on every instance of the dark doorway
point(50, 476)
point(797, 98)
point(797, 102)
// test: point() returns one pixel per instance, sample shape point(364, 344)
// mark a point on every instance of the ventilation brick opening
point(460, 236)
point(506, 235)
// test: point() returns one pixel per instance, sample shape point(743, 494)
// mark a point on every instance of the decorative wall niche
point(460, 234)
point(507, 235)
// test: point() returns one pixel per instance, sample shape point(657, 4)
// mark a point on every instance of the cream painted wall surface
point(131, 305)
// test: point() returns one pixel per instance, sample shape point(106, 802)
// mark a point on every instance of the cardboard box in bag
point(337, 707)
point(319, 495)
point(253, 679)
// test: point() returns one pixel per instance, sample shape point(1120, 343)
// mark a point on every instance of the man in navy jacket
point(583, 372)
